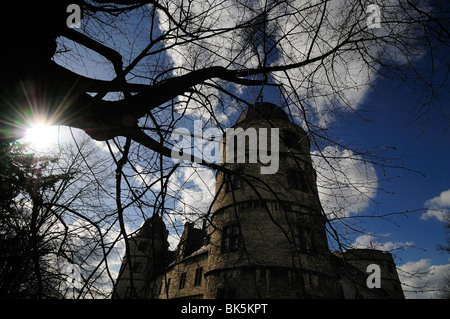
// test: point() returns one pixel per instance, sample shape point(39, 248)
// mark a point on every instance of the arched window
point(291, 140)
point(303, 239)
point(297, 180)
point(233, 182)
point(198, 276)
point(230, 238)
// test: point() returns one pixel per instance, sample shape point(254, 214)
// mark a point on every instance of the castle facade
point(266, 236)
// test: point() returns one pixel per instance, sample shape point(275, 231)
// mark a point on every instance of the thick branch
point(140, 137)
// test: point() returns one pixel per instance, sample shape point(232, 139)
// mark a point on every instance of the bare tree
point(46, 227)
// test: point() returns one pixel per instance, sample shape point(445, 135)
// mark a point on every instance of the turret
point(268, 229)
point(266, 237)
point(148, 251)
point(363, 261)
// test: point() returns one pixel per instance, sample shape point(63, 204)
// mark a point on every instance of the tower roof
point(262, 110)
point(151, 226)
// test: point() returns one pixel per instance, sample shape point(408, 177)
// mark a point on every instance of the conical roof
point(263, 110)
point(151, 226)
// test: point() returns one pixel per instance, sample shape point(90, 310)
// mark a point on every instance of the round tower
point(148, 249)
point(267, 236)
point(389, 280)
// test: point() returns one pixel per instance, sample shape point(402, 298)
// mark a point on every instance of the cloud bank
point(346, 183)
point(438, 207)
point(422, 280)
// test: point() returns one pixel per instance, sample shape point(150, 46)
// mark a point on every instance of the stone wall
point(266, 236)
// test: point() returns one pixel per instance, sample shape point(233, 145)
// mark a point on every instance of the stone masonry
point(266, 237)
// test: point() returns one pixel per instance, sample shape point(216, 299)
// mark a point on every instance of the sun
point(41, 135)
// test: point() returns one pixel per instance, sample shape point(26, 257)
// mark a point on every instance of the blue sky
point(424, 148)
point(427, 152)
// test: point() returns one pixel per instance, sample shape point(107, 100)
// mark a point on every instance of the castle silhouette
point(266, 237)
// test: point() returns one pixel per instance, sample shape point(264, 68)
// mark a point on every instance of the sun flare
point(41, 135)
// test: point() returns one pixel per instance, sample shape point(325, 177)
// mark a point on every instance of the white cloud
point(102, 145)
point(340, 82)
point(211, 19)
point(336, 83)
point(301, 31)
point(363, 242)
point(197, 193)
point(190, 191)
point(147, 180)
point(438, 207)
point(345, 182)
point(219, 43)
point(421, 280)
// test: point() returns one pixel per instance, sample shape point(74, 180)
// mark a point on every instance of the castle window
point(291, 140)
point(128, 292)
point(143, 245)
point(182, 280)
point(303, 239)
point(220, 293)
point(233, 183)
point(324, 283)
point(390, 269)
point(137, 267)
point(296, 179)
point(198, 276)
point(276, 206)
point(168, 285)
point(262, 275)
point(223, 293)
point(230, 238)
point(205, 240)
